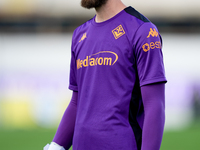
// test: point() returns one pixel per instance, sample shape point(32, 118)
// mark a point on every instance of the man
point(118, 82)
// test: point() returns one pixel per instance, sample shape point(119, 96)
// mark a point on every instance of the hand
point(46, 147)
point(53, 146)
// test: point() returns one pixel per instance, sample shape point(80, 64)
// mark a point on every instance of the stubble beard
point(92, 3)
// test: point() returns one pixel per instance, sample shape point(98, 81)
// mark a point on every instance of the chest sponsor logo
point(152, 33)
point(83, 37)
point(102, 58)
point(147, 46)
point(118, 31)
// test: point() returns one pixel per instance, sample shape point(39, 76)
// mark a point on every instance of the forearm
point(154, 109)
point(153, 130)
point(64, 134)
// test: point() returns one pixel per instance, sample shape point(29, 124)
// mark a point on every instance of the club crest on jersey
point(83, 37)
point(118, 31)
point(152, 33)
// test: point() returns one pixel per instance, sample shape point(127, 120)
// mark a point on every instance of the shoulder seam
point(138, 29)
point(130, 10)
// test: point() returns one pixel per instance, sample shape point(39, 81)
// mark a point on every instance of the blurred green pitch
point(36, 139)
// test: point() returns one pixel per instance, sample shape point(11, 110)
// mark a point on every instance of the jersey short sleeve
point(148, 52)
point(73, 71)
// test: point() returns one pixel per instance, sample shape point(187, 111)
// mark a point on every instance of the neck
point(109, 10)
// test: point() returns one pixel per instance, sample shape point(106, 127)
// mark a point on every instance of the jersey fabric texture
point(109, 63)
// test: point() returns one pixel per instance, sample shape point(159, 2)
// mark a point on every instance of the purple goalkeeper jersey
point(110, 61)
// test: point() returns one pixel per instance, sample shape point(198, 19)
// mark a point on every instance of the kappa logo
point(102, 58)
point(118, 32)
point(83, 37)
point(152, 33)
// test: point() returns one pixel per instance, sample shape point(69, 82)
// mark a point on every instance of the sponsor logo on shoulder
point(83, 37)
point(152, 33)
point(147, 46)
point(118, 31)
point(152, 45)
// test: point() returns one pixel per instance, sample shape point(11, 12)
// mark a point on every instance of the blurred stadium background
point(35, 40)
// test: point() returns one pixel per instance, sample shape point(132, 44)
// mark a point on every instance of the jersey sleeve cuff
point(73, 88)
point(156, 80)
